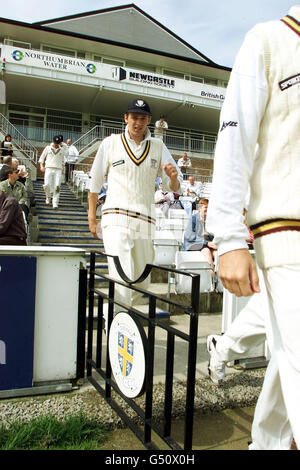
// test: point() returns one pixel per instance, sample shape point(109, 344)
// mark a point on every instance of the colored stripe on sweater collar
point(130, 153)
point(275, 225)
point(292, 23)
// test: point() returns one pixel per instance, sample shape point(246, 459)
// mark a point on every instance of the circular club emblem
point(127, 343)
point(91, 68)
point(17, 55)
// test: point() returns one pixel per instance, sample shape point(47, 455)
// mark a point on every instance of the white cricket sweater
point(259, 143)
point(52, 157)
point(274, 209)
point(130, 185)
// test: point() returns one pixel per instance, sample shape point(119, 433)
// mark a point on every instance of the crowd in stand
point(16, 188)
point(16, 197)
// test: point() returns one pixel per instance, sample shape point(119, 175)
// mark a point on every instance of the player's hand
point(170, 171)
point(93, 226)
point(238, 273)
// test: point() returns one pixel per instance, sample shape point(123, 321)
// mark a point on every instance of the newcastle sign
point(142, 77)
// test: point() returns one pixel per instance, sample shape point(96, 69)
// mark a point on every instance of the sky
point(215, 28)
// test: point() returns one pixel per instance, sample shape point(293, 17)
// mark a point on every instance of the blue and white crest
point(125, 354)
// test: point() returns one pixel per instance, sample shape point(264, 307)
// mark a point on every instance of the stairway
point(66, 226)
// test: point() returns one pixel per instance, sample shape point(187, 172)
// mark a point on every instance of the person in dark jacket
point(12, 225)
point(6, 146)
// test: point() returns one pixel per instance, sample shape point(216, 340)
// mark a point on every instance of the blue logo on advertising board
point(17, 55)
point(91, 68)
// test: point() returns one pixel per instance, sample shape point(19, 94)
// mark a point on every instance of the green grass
point(48, 433)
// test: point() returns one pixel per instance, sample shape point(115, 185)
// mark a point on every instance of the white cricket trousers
point(275, 313)
point(247, 331)
point(134, 253)
point(277, 413)
point(52, 182)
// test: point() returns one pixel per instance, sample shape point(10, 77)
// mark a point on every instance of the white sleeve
point(99, 167)
point(240, 118)
point(167, 158)
point(43, 155)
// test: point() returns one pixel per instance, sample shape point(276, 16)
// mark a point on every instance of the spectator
point(195, 236)
point(163, 200)
point(192, 191)
point(12, 225)
point(160, 126)
point(22, 172)
point(51, 163)
point(72, 158)
point(12, 187)
point(7, 163)
point(24, 178)
point(6, 146)
point(184, 163)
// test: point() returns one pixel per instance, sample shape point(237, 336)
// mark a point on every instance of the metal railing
point(174, 140)
point(99, 370)
point(45, 135)
point(19, 141)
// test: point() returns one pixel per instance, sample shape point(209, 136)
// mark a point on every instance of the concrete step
point(70, 241)
point(65, 233)
point(62, 225)
point(65, 201)
point(52, 216)
point(61, 211)
point(87, 247)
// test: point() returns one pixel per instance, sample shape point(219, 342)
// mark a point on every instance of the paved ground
point(226, 430)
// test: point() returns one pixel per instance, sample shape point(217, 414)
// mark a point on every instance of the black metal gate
point(100, 375)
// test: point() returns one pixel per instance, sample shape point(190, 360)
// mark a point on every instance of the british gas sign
point(127, 344)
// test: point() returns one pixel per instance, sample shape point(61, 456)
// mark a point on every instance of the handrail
point(174, 140)
point(22, 144)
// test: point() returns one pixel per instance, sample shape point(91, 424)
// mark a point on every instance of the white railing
point(19, 142)
point(174, 140)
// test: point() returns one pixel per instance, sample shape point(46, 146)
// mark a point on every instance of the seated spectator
point(195, 236)
point(6, 146)
point(12, 187)
point(7, 163)
point(22, 171)
point(24, 178)
point(192, 191)
point(193, 188)
point(184, 163)
point(163, 200)
point(12, 225)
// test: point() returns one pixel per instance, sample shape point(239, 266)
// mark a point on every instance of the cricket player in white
point(131, 161)
point(259, 143)
point(51, 162)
